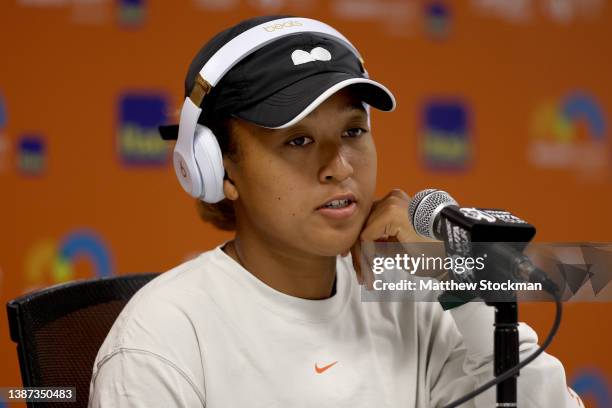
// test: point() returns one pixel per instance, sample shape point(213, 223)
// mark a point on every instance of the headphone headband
point(259, 36)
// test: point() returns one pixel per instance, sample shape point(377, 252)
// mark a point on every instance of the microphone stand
point(506, 349)
point(506, 336)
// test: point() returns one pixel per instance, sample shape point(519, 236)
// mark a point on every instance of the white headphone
point(197, 158)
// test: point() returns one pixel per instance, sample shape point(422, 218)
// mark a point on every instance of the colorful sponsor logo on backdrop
point(216, 5)
point(445, 135)
point(138, 140)
point(268, 5)
point(131, 13)
point(43, 3)
point(31, 154)
point(89, 12)
point(398, 18)
point(593, 386)
point(437, 20)
point(2, 112)
point(263, 6)
point(570, 134)
point(54, 261)
point(524, 11)
point(4, 143)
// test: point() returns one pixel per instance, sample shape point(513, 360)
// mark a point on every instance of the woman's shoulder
point(163, 311)
point(160, 327)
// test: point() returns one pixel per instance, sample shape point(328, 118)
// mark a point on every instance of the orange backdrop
point(501, 103)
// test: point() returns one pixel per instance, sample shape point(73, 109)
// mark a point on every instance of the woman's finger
point(356, 258)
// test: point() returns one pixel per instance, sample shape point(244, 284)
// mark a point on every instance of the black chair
point(58, 331)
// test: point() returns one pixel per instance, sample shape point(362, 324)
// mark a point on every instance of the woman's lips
point(338, 213)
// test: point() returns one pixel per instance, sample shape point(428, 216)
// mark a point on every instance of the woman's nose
point(336, 167)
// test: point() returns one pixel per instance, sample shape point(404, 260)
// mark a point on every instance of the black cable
point(514, 370)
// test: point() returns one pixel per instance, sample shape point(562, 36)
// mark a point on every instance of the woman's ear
point(229, 187)
point(230, 190)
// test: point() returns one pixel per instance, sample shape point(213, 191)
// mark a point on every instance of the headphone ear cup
point(209, 161)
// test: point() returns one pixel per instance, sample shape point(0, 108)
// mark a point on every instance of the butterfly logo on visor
point(300, 57)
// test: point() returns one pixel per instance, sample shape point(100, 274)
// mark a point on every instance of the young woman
point(273, 318)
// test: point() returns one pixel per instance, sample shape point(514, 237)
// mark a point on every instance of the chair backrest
point(58, 330)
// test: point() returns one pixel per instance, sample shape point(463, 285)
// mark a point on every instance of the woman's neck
point(286, 270)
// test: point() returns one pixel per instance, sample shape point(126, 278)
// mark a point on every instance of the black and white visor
point(290, 79)
point(281, 83)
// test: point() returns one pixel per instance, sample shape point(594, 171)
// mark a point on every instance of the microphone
point(495, 234)
point(435, 214)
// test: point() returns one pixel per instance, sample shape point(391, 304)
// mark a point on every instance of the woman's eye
point(300, 141)
point(355, 132)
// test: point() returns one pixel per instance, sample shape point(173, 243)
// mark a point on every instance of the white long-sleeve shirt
point(209, 333)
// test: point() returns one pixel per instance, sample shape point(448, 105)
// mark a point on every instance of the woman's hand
point(388, 221)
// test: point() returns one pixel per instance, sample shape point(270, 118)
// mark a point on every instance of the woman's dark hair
point(221, 214)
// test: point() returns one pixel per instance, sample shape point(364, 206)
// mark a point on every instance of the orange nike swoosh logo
point(322, 369)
